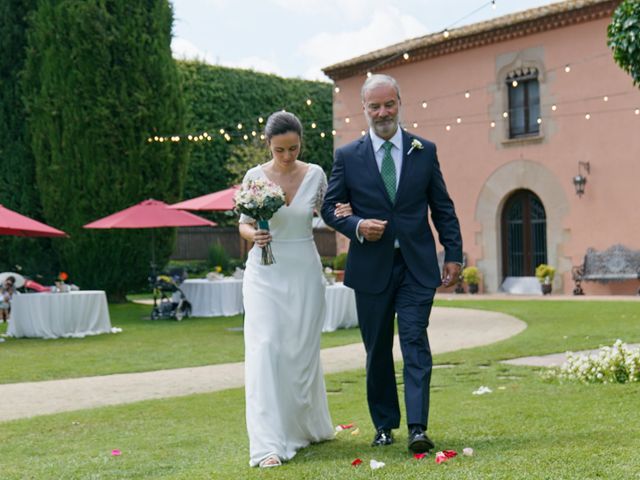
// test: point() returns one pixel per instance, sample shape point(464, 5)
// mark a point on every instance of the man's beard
point(384, 128)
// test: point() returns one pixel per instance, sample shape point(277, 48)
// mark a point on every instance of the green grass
point(142, 346)
point(528, 430)
point(525, 429)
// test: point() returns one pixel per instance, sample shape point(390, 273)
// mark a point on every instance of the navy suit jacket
point(355, 178)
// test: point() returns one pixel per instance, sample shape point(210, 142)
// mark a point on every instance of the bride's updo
point(279, 123)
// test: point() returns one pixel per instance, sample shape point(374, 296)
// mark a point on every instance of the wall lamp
point(579, 181)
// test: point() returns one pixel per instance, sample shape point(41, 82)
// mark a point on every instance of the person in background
point(7, 290)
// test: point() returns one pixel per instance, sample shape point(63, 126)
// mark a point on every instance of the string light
point(337, 89)
point(493, 124)
point(368, 74)
point(347, 120)
point(539, 121)
point(514, 84)
point(239, 126)
point(458, 120)
point(313, 125)
point(467, 94)
point(415, 125)
point(309, 101)
point(493, 4)
point(567, 68)
point(588, 116)
point(445, 34)
point(362, 132)
point(405, 56)
point(637, 111)
point(448, 128)
point(605, 98)
point(424, 104)
point(322, 134)
point(333, 132)
point(254, 133)
point(505, 114)
point(260, 120)
point(554, 107)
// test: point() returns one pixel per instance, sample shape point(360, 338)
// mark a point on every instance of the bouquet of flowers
point(260, 199)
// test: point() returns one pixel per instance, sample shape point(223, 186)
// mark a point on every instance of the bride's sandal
point(270, 461)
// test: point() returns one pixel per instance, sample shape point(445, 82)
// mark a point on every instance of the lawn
point(527, 428)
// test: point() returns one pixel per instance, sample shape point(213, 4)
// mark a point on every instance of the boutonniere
point(415, 143)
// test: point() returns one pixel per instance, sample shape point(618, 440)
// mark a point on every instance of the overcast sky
point(296, 38)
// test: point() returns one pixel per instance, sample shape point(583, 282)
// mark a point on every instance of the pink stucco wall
point(475, 156)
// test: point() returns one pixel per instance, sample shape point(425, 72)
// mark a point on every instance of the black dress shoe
point(383, 437)
point(419, 442)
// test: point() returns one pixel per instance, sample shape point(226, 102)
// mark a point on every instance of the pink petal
point(356, 462)
point(116, 453)
point(346, 426)
point(419, 456)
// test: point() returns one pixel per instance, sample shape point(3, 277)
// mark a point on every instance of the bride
point(284, 304)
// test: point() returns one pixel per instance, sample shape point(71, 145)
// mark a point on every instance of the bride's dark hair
point(282, 122)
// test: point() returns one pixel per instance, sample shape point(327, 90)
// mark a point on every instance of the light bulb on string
point(415, 125)
point(539, 121)
point(369, 74)
point(458, 120)
point(467, 94)
point(405, 56)
point(222, 131)
point(362, 132)
point(605, 98)
point(588, 116)
point(190, 137)
point(261, 136)
point(337, 89)
point(567, 68)
point(424, 104)
point(505, 114)
point(260, 120)
point(245, 136)
point(554, 107)
point(445, 34)
point(493, 4)
point(322, 134)
point(308, 101)
point(313, 125)
point(347, 120)
point(514, 84)
point(253, 133)
point(448, 128)
point(637, 111)
point(493, 124)
point(333, 132)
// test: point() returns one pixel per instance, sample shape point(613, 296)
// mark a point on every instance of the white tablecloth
point(54, 315)
point(341, 308)
point(214, 298)
point(224, 298)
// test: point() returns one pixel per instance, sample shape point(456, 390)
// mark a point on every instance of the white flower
point(415, 143)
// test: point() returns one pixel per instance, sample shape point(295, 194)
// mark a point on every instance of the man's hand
point(450, 273)
point(372, 229)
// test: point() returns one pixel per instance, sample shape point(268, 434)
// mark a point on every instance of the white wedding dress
point(284, 304)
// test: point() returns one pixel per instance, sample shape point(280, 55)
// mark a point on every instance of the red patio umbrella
point(12, 223)
point(222, 200)
point(150, 214)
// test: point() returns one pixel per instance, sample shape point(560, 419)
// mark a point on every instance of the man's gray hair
point(376, 80)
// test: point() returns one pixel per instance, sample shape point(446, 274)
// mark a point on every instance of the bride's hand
point(343, 210)
point(262, 238)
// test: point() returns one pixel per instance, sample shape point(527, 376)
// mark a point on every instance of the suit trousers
point(376, 313)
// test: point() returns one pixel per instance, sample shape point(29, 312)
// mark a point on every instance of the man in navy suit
point(392, 179)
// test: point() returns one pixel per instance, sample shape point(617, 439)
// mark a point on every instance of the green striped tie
point(388, 171)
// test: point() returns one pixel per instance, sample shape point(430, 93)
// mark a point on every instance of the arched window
point(524, 234)
point(524, 102)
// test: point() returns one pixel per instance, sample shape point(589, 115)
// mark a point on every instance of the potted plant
point(545, 274)
point(339, 262)
point(471, 276)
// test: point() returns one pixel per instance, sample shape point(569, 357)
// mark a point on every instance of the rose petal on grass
point(356, 462)
point(419, 456)
point(441, 457)
point(356, 432)
point(375, 464)
point(467, 452)
point(450, 453)
point(116, 453)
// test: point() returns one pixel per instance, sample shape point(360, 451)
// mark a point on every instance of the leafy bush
point(218, 257)
point(471, 275)
point(340, 261)
point(624, 38)
point(545, 273)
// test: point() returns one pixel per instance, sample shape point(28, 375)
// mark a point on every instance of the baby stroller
point(169, 300)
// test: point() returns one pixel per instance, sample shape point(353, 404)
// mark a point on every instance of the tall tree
point(17, 181)
point(624, 38)
point(99, 80)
